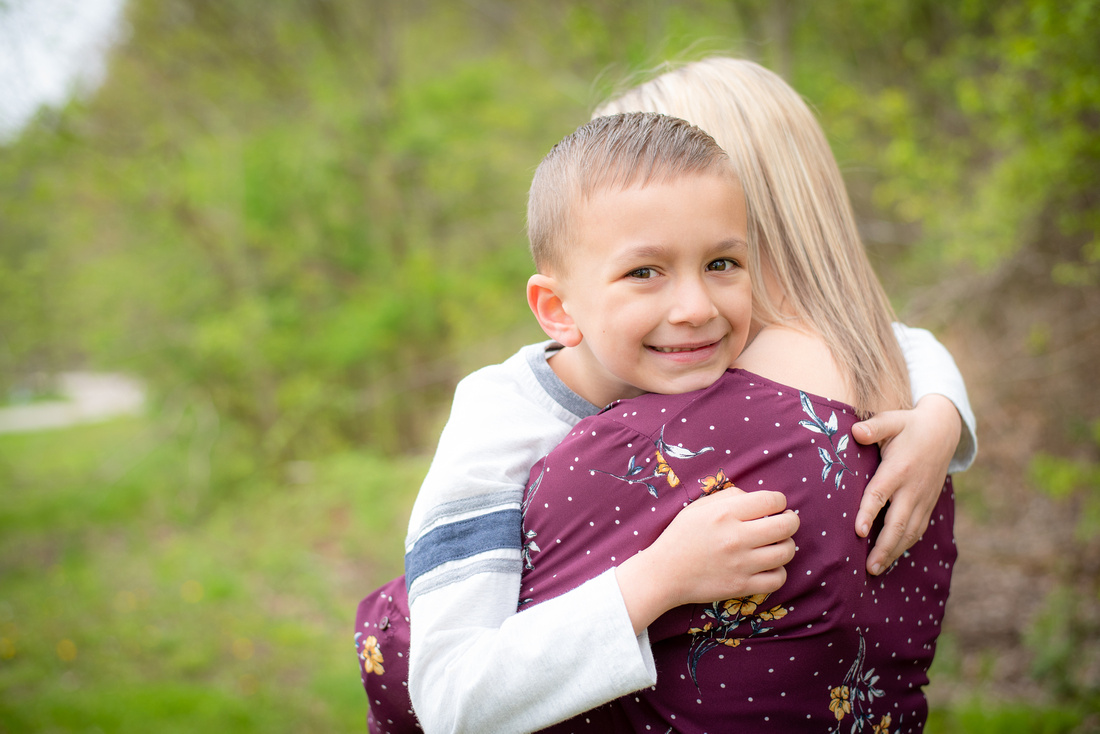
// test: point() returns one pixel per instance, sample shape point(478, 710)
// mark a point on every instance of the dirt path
point(88, 398)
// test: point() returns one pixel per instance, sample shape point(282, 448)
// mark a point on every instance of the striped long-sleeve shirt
point(476, 664)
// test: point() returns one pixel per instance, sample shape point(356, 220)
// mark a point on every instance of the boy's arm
point(932, 370)
point(478, 665)
point(919, 447)
point(475, 664)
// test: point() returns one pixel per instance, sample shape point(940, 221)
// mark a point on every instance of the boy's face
point(656, 281)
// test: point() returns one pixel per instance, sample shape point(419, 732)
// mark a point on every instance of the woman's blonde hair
point(800, 217)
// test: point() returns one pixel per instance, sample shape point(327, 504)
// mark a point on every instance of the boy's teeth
point(673, 349)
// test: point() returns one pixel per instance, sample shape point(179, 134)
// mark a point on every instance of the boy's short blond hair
point(614, 152)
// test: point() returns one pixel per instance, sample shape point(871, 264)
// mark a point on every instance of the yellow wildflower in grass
point(718, 482)
point(840, 703)
point(372, 656)
point(664, 468)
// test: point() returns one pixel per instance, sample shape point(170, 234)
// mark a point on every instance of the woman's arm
point(932, 370)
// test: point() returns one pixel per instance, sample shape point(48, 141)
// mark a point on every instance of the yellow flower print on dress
point(716, 483)
point(841, 703)
point(856, 695)
point(776, 612)
point(745, 605)
point(371, 655)
point(735, 620)
point(666, 470)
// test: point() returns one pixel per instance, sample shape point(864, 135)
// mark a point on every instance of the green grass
point(143, 591)
point(137, 596)
point(983, 717)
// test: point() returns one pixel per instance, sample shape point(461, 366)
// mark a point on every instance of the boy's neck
point(569, 365)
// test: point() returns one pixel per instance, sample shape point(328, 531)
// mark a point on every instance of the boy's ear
point(543, 296)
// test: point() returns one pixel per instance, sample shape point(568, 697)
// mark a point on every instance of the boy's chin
point(686, 384)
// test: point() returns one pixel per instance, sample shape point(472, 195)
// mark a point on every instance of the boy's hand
point(917, 446)
point(726, 545)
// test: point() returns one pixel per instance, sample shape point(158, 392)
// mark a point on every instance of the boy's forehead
point(601, 204)
point(602, 196)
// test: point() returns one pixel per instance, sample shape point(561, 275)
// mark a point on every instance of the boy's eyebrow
point(655, 252)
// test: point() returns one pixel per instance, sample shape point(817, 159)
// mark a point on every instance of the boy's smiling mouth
point(680, 350)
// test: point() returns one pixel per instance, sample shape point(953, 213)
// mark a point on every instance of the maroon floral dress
point(833, 650)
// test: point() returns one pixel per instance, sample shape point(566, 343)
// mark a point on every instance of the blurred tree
point(310, 214)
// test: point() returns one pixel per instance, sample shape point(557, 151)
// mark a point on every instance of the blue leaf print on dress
point(529, 544)
point(828, 430)
point(529, 547)
point(634, 469)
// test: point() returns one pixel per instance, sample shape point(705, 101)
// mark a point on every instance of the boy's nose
point(691, 304)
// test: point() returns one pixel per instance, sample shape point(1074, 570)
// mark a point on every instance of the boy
point(642, 253)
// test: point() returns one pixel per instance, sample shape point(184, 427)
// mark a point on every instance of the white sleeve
point(475, 664)
point(479, 666)
point(933, 370)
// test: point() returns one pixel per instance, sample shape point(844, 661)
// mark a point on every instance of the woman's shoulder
point(797, 358)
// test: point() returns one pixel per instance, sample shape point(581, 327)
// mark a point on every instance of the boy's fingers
point(769, 557)
point(887, 548)
point(766, 582)
point(902, 529)
point(771, 530)
point(777, 554)
point(879, 427)
point(879, 490)
point(752, 505)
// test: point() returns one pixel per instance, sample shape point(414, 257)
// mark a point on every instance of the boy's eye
point(722, 264)
point(642, 273)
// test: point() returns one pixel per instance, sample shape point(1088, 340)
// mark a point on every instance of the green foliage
point(302, 215)
point(1077, 478)
point(983, 124)
point(1061, 477)
point(1064, 637)
point(122, 608)
point(983, 717)
point(1066, 641)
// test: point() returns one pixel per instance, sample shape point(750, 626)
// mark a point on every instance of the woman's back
point(810, 657)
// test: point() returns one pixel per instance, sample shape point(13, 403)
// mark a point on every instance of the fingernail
point(863, 529)
point(875, 569)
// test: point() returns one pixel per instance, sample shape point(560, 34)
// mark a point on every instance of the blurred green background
point(298, 223)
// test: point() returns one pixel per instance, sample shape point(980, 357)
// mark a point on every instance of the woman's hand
point(917, 446)
point(723, 546)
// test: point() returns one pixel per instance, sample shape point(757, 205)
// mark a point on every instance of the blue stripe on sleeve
point(454, 541)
